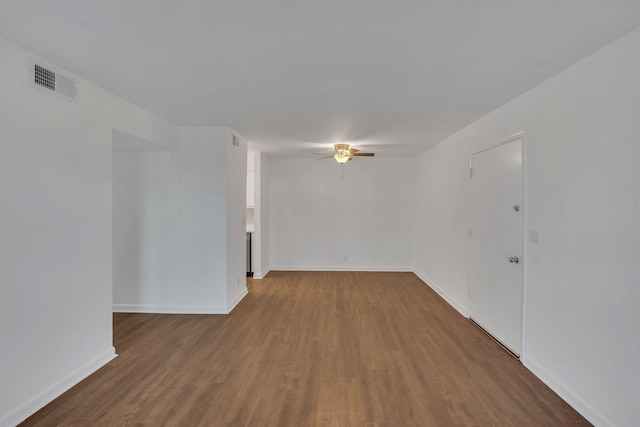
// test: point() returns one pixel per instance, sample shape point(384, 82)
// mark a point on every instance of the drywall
point(253, 213)
point(316, 220)
point(441, 221)
point(584, 200)
point(236, 224)
point(260, 220)
point(55, 223)
point(178, 225)
point(262, 172)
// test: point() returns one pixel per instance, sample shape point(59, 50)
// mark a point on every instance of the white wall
point(441, 221)
point(55, 228)
point(260, 220)
point(236, 201)
point(315, 220)
point(262, 189)
point(253, 213)
point(178, 225)
point(584, 199)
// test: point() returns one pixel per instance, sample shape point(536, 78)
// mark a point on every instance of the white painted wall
point(236, 205)
point(251, 161)
point(253, 213)
point(55, 228)
point(178, 225)
point(584, 199)
point(259, 240)
point(262, 189)
point(315, 220)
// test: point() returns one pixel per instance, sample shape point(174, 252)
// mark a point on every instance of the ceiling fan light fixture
point(342, 157)
point(343, 153)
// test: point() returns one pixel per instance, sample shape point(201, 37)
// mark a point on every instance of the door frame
point(525, 220)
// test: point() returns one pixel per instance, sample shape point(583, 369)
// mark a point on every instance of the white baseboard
point(341, 268)
point(462, 309)
point(169, 309)
point(576, 402)
point(40, 400)
point(261, 275)
point(236, 300)
point(180, 309)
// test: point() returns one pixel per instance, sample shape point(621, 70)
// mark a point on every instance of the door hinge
point(469, 292)
point(470, 172)
point(470, 233)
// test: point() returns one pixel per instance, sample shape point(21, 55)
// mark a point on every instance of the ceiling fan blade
point(327, 157)
point(364, 154)
point(353, 150)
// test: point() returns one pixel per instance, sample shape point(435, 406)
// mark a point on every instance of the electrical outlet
point(238, 282)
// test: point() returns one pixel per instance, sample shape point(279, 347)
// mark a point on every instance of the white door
point(495, 270)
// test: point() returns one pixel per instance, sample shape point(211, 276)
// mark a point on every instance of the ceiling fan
point(343, 153)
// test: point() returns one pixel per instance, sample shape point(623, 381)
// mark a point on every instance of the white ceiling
point(391, 76)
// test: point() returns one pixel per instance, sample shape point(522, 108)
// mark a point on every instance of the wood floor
point(311, 349)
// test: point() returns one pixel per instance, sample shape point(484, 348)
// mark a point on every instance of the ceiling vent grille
point(51, 81)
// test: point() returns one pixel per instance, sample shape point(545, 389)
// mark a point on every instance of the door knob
point(514, 259)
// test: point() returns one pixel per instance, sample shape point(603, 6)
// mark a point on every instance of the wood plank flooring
point(311, 349)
